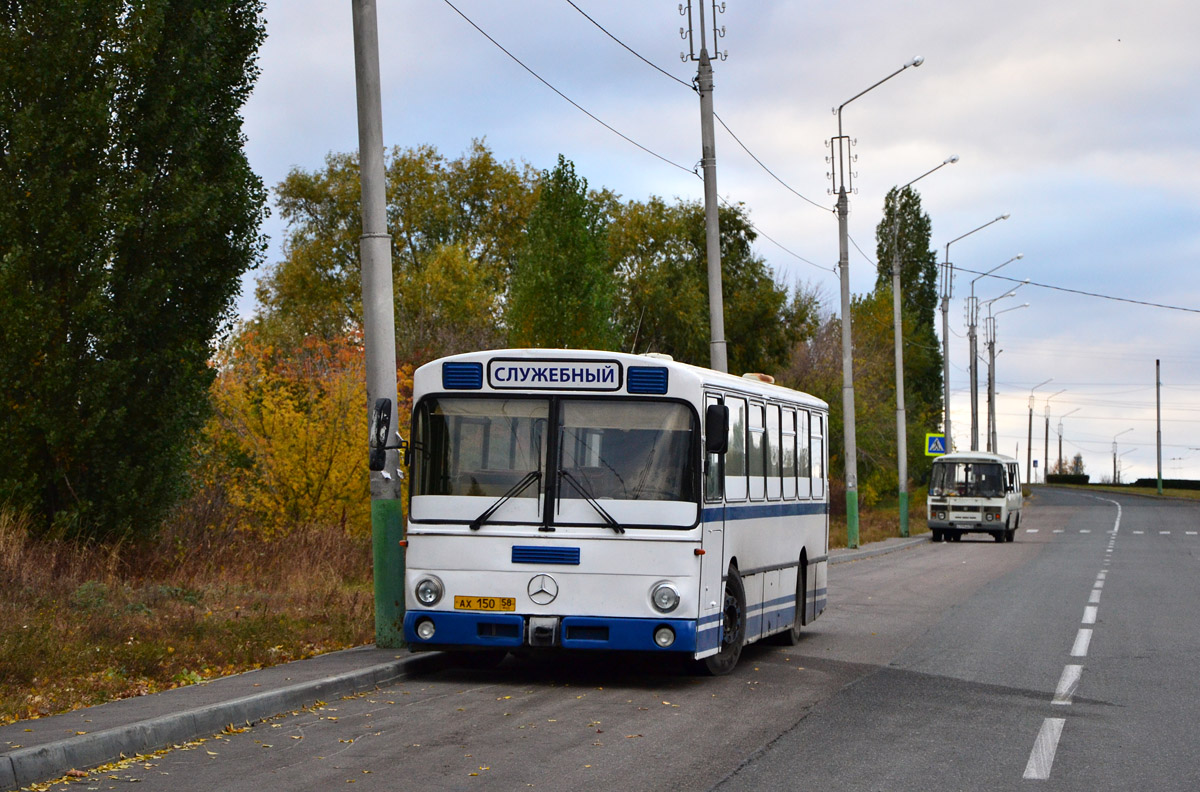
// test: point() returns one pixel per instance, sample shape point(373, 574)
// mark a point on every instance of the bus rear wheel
point(733, 627)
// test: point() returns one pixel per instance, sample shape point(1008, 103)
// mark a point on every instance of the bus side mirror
point(381, 423)
point(716, 428)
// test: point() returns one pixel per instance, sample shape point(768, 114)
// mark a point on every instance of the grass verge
point(81, 625)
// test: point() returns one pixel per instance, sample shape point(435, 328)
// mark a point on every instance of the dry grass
point(81, 625)
point(880, 522)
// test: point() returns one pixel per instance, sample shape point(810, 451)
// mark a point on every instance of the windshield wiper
point(513, 491)
point(587, 496)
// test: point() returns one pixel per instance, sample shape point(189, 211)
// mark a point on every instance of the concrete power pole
point(718, 357)
point(379, 323)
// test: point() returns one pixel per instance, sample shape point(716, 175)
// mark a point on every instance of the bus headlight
point(665, 598)
point(429, 591)
point(664, 636)
point(425, 629)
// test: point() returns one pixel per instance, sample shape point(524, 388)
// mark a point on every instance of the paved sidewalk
point(841, 555)
point(45, 748)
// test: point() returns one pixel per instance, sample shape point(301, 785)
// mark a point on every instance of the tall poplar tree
point(562, 292)
point(905, 230)
point(128, 214)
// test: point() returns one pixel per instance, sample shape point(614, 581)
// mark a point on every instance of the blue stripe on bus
point(507, 630)
point(761, 510)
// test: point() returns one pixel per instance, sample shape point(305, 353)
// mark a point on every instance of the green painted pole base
point(387, 529)
point(904, 514)
point(851, 518)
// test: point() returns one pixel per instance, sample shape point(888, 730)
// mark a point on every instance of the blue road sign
point(935, 444)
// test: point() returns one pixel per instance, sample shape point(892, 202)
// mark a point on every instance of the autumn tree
point(128, 214)
point(456, 226)
point(563, 292)
point(283, 446)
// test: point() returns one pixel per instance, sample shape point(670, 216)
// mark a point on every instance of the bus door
point(712, 541)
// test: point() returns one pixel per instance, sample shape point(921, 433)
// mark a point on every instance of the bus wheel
point(791, 636)
point(733, 627)
point(998, 535)
point(937, 535)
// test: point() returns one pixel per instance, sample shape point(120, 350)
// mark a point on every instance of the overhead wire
point(573, 103)
point(716, 115)
point(1082, 292)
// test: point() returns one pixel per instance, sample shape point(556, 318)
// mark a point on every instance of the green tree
point(455, 224)
point(129, 214)
point(563, 292)
point(658, 252)
point(905, 232)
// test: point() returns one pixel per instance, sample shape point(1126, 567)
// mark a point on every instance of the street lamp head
point(953, 159)
point(917, 61)
point(1020, 256)
point(1004, 216)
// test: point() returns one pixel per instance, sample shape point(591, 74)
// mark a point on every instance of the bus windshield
point(627, 450)
point(608, 451)
point(968, 479)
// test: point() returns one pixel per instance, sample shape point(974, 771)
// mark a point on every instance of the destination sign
point(589, 375)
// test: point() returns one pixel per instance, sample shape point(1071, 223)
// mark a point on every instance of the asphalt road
point(935, 668)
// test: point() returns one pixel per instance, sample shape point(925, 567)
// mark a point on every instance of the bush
point(1068, 478)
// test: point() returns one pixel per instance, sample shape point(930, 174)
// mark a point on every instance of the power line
point(1081, 292)
point(575, 104)
point(692, 87)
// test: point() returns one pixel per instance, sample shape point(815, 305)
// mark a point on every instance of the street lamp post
point(1060, 433)
point(1116, 479)
point(1029, 439)
point(840, 162)
point(1046, 439)
point(898, 334)
point(990, 330)
point(947, 293)
point(972, 324)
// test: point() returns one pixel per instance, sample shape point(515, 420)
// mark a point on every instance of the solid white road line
point(1083, 639)
point(1068, 683)
point(1041, 758)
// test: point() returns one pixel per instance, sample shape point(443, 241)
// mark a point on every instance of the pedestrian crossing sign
point(935, 444)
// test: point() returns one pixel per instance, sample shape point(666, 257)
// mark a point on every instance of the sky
point(1079, 119)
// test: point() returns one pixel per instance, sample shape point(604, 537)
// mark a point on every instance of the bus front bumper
point(451, 630)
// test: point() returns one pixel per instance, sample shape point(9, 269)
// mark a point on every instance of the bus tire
point(937, 535)
point(791, 636)
point(733, 627)
point(999, 535)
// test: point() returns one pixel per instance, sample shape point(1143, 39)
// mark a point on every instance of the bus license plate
point(485, 603)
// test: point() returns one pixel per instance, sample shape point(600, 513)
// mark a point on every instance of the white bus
point(595, 500)
point(974, 491)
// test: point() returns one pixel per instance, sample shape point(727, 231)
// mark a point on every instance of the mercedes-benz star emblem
point(542, 589)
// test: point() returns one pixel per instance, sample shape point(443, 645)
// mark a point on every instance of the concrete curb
point(890, 546)
point(25, 766)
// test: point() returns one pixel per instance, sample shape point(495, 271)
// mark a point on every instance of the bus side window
point(789, 453)
point(773, 449)
point(804, 456)
point(716, 465)
point(818, 456)
point(757, 453)
point(735, 456)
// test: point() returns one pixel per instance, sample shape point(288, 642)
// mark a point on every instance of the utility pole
point(898, 336)
point(840, 174)
point(718, 354)
point(379, 327)
point(1158, 418)
point(947, 293)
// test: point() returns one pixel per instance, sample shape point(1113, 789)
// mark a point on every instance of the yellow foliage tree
point(287, 443)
